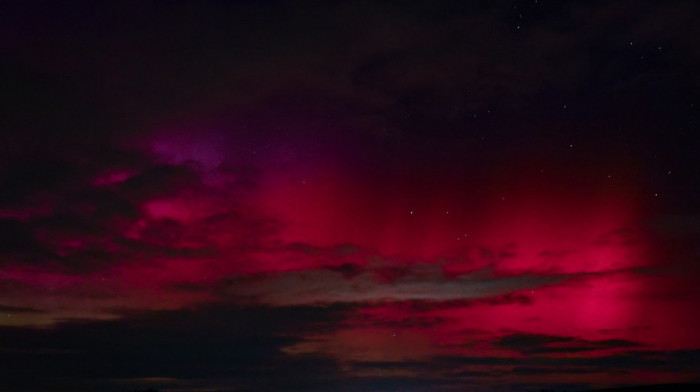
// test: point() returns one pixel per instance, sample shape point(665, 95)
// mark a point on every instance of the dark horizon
point(637, 388)
point(493, 196)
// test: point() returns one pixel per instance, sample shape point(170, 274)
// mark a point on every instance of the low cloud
point(539, 344)
point(327, 287)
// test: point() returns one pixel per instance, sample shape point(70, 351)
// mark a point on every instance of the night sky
point(254, 196)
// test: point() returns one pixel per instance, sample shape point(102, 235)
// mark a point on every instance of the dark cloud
point(680, 361)
point(18, 309)
point(161, 180)
point(15, 237)
point(624, 236)
point(524, 370)
point(18, 245)
point(419, 306)
point(536, 344)
point(217, 342)
point(222, 345)
point(27, 182)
